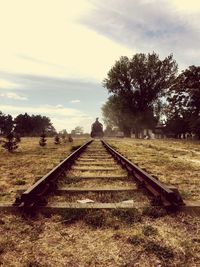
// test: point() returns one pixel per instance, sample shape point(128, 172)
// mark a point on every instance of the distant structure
point(97, 129)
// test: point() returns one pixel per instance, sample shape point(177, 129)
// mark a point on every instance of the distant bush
point(11, 142)
point(57, 140)
point(43, 139)
point(70, 139)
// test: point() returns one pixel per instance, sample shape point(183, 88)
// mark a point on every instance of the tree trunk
point(127, 132)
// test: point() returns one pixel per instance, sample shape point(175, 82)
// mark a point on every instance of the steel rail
point(162, 193)
point(35, 194)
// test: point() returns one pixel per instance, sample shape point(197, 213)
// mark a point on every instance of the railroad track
point(96, 176)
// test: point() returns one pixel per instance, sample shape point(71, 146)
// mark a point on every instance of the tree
point(70, 139)
point(136, 84)
point(184, 102)
point(57, 140)
point(43, 139)
point(63, 134)
point(6, 124)
point(11, 143)
point(27, 125)
point(77, 131)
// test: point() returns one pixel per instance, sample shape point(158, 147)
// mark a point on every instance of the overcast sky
point(54, 54)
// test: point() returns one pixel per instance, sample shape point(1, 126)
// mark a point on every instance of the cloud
point(5, 84)
point(43, 89)
point(75, 101)
point(147, 26)
point(13, 96)
point(62, 117)
point(55, 44)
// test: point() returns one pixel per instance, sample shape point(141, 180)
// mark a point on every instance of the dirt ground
point(147, 237)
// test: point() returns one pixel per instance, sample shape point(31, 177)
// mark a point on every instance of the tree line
point(26, 125)
point(145, 90)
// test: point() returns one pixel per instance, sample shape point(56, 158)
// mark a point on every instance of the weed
point(2, 222)
point(162, 252)
point(135, 240)
point(128, 215)
point(2, 248)
point(96, 219)
point(35, 233)
point(20, 182)
point(33, 264)
point(149, 230)
point(73, 215)
point(6, 244)
point(154, 212)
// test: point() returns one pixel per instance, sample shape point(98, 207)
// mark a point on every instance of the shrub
point(149, 230)
point(70, 139)
point(95, 219)
point(135, 240)
point(20, 182)
point(162, 252)
point(33, 264)
point(43, 140)
point(154, 212)
point(128, 215)
point(72, 215)
point(57, 140)
point(11, 143)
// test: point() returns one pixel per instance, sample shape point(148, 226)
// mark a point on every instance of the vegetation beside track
point(99, 239)
point(23, 167)
point(174, 162)
point(147, 237)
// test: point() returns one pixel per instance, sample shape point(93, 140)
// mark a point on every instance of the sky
point(54, 54)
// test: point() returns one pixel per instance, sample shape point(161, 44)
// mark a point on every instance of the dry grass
point(174, 162)
point(112, 197)
point(96, 238)
point(104, 183)
point(30, 161)
point(99, 240)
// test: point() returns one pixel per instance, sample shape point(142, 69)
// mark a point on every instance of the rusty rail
point(35, 195)
point(168, 196)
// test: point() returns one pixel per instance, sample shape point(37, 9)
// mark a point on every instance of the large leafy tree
point(183, 111)
point(27, 125)
point(136, 84)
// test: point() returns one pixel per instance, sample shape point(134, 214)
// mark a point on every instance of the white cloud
point(54, 44)
point(61, 117)
point(75, 101)
point(5, 84)
point(13, 96)
point(59, 106)
point(163, 26)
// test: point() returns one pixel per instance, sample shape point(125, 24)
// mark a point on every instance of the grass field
point(23, 167)
point(142, 238)
point(174, 162)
